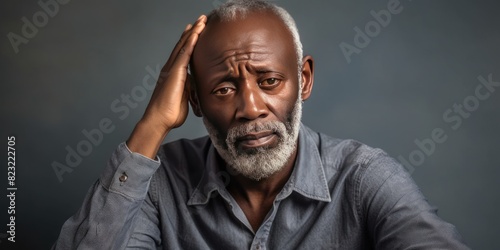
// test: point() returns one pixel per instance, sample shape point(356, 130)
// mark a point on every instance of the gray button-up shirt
point(341, 195)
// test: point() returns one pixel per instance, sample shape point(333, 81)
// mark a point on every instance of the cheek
point(281, 105)
point(220, 116)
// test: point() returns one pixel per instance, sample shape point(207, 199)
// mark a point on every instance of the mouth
point(259, 139)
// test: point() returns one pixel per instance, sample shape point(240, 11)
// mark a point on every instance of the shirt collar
point(213, 180)
point(308, 176)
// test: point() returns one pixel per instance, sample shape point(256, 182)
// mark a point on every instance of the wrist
point(146, 138)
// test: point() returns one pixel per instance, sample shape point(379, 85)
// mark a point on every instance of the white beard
point(261, 162)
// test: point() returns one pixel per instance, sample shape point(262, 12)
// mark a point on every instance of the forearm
point(146, 139)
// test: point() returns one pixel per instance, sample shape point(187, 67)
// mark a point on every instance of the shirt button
point(123, 177)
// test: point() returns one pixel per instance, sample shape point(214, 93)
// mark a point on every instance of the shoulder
point(338, 153)
point(367, 175)
point(354, 160)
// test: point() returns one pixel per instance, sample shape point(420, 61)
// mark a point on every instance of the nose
point(251, 103)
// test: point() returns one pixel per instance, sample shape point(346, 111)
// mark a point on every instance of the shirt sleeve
point(117, 209)
point(397, 214)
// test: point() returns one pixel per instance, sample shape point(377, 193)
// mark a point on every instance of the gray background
point(393, 92)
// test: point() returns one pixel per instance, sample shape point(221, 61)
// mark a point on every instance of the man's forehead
point(251, 53)
point(257, 33)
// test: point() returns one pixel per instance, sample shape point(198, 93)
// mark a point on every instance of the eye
point(270, 82)
point(223, 91)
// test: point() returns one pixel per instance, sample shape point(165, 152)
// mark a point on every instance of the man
point(261, 179)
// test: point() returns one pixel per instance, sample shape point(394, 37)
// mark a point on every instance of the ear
point(193, 97)
point(307, 77)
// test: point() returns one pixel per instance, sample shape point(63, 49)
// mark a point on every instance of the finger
point(182, 40)
point(189, 29)
point(175, 50)
point(178, 72)
point(180, 65)
point(184, 55)
point(187, 85)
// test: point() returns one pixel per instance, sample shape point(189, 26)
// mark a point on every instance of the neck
point(256, 198)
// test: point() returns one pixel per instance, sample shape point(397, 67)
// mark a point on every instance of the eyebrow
point(265, 71)
point(228, 77)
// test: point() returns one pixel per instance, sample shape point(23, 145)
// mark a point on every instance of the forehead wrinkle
point(233, 65)
point(237, 56)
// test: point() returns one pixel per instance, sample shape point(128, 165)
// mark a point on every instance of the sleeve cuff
point(129, 173)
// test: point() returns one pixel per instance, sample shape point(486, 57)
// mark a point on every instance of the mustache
point(242, 130)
